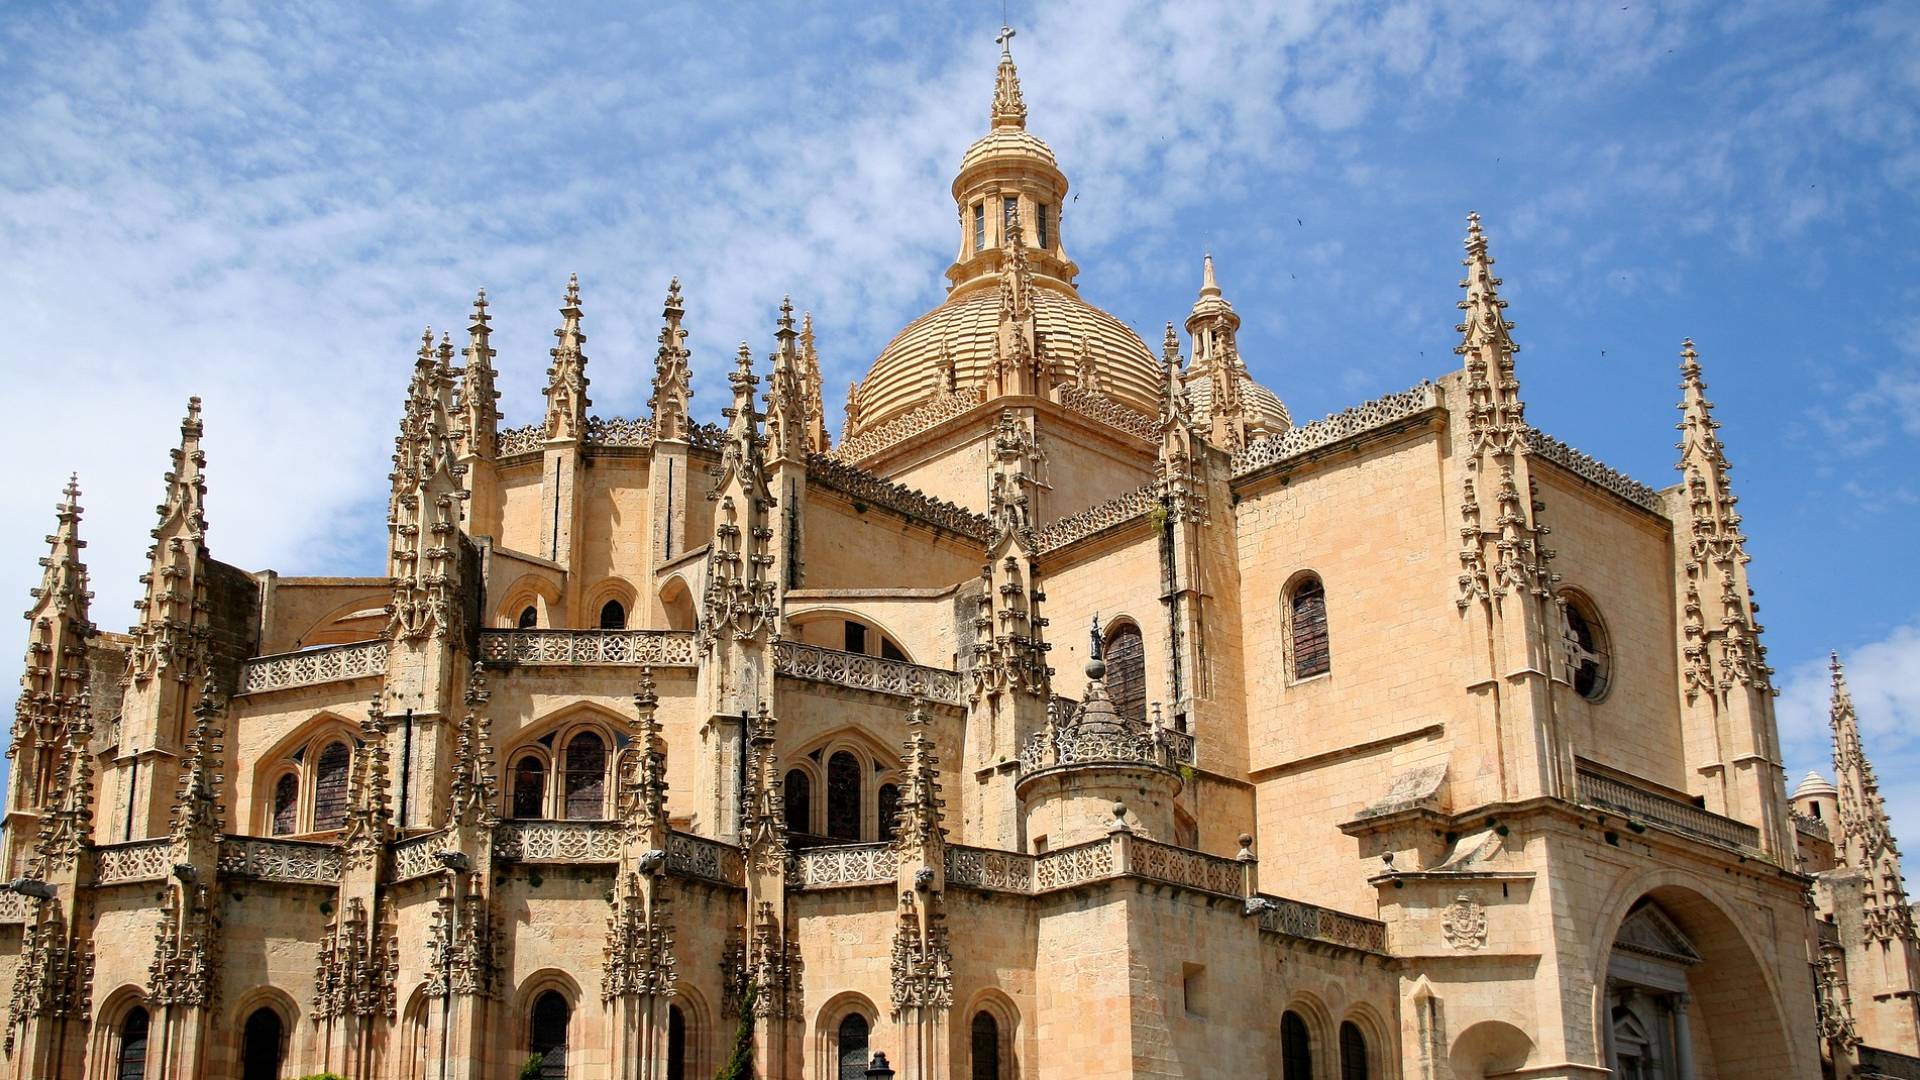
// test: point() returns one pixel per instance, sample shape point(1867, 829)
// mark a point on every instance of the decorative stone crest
point(1464, 923)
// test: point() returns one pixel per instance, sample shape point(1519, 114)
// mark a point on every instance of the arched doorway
point(263, 1045)
point(547, 1034)
point(1687, 993)
point(676, 1043)
point(851, 1047)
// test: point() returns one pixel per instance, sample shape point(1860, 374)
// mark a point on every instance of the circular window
point(1589, 660)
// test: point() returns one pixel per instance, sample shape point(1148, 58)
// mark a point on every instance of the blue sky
point(263, 204)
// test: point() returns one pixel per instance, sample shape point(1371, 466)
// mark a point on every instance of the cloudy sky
point(264, 204)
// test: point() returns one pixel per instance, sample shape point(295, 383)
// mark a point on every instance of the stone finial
point(479, 398)
point(567, 400)
point(1866, 839)
point(671, 403)
point(1009, 108)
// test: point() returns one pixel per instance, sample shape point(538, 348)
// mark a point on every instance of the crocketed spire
point(479, 408)
point(786, 392)
point(1722, 646)
point(171, 633)
point(567, 400)
point(1866, 835)
point(1009, 108)
point(424, 508)
point(672, 398)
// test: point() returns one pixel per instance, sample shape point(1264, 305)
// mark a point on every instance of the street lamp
point(879, 1069)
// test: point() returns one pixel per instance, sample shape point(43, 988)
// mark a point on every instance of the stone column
point(1682, 1037)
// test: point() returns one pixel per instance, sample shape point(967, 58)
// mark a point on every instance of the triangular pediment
point(1648, 930)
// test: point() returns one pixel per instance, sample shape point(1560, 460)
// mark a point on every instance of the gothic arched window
point(797, 789)
point(529, 618)
point(586, 778)
point(851, 1044)
point(530, 787)
point(547, 1034)
point(1311, 653)
point(261, 1046)
point(132, 1064)
point(1126, 659)
point(889, 807)
point(330, 787)
point(1353, 1052)
point(986, 1046)
point(1296, 1048)
point(843, 796)
point(286, 805)
point(613, 615)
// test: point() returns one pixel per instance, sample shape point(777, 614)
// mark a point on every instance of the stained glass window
point(330, 787)
point(133, 1046)
point(1312, 654)
point(530, 788)
point(286, 804)
point(798, 791)
point(586, 778)
point(1126, 658)
point(843, 796)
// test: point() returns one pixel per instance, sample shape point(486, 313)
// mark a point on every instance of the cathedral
point(1075, 712)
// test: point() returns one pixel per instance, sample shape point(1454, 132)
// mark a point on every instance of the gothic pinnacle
point(1009, 109)
point(1208, 285)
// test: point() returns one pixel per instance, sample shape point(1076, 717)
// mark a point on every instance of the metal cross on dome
point(1005, 40)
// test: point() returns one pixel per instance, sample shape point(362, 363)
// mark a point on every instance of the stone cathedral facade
point(1075, 713)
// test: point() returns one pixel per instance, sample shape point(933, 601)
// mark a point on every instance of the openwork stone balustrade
point(984, 868)
point(1314, 923)
point(313, 666)
point(867, 673)
point(414, 856)
point(1622, 798)
point(850, 864)
point(141, 860)
point(1362, 418)
point(296, 861)
point(15, 908)
point(558, 841)
point(696, 856)
point(1158, 747)
point(655, 648)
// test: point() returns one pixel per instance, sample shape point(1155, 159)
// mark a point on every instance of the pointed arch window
point(286, 805)
point(843, 796)
point(530, 787)
point(132, 1063)
point(985, 1039)
point(889, 810)
point(1125, 654)
point(851, 1044)
point(613, 615)
point(1296, 1048)
point(330, 787)
point(586, 789)
point(529, 618)
point(547, 1034)
point(797, 791)
point(1312, 652)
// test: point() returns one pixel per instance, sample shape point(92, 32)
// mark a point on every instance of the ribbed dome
point(1814, 784)
point(903, 375)
point(1266, 413)
point(1008, 143)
